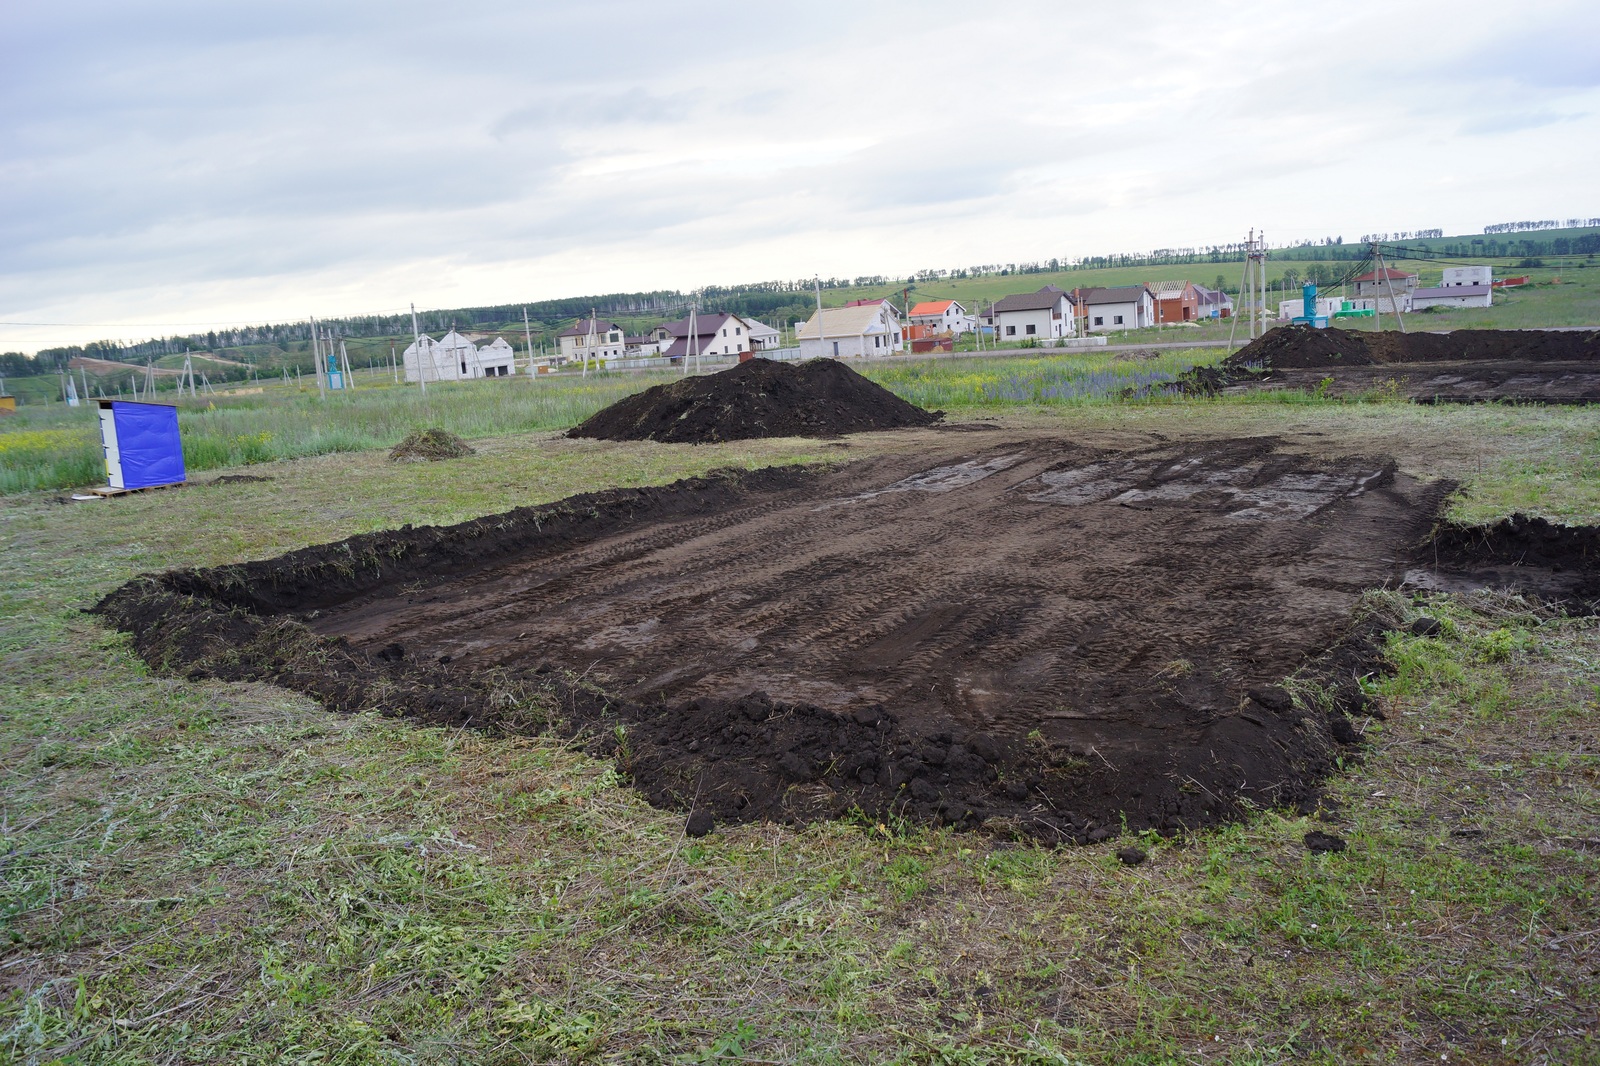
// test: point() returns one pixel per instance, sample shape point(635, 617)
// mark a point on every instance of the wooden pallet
point(107, 490)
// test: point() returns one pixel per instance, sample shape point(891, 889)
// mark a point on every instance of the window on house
point(836, 349)
point(737, 331)
point(1011, 331)
point(463, 367)
point(1031, 329)
point(1118, 320)
point(1099, 320)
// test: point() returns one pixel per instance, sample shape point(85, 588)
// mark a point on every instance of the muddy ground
point(1464, 366)
point(1026, 634)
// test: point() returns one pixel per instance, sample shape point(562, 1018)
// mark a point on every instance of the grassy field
point(196, 871)
point(58, 447)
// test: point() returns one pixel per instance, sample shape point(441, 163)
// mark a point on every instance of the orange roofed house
point(942, 316)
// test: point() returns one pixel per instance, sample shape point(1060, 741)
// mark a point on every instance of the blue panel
point(147, 438)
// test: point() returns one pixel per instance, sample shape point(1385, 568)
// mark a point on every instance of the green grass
point(198, 871)
point(58, 447)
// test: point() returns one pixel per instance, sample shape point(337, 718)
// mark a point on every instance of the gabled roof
point(681, 346)
point(1043, 300)
point(580, 328)
point(754, 327)
point(1388, 274)
point(455, 340)
point(842, 321)
point(706, 325)
point(929, 308)
point(1122, 294)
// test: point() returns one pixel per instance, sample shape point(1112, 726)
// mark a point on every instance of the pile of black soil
point(430, 445)
point(1463, 366)
point(757, 398)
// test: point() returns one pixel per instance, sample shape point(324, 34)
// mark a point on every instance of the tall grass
point(1059, 379)
point(58, 447)
point(51, 447)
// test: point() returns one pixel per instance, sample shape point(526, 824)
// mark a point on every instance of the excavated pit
point(1036, 637)
point(1463, 366)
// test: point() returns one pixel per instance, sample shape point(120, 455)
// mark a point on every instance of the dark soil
point(239, 479)
point(1037, 638)
point(1559, 563)
point(1324, 843)
point(757, 398)
point(1464, 366)
point(430, 445)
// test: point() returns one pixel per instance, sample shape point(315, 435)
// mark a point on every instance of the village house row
point(861, 328)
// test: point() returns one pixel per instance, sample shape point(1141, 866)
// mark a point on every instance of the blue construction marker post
point(142, 447)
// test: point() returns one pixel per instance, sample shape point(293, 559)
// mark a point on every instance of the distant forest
point(790, 300)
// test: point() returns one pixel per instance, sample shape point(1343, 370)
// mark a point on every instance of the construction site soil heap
point(1463, 366)
point(757, 398)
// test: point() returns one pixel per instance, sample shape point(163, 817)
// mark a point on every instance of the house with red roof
point(1379, 282)
point(943, 316)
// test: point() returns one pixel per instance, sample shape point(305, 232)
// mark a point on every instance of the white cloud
point(179, 162)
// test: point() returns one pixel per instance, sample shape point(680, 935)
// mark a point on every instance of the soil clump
point(1463, 366)
point(430, 445)
point(757, 398)
point(1035, 637)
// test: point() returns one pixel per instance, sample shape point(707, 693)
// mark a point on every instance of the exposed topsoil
point(1035, 637)
point(757, 398)
point(430, 445)
point(1464, 366)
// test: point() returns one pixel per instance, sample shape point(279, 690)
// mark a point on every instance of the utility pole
point(527, 333)
point(1381, 270)
point(316, 360)
point(416, 341)
point(822, 347)
point(588, 345)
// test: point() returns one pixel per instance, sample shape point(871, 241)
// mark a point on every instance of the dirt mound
point(1036, 637)
point(1301, 346)
point(1465, 366)
point(429, 445)
point(757, 398)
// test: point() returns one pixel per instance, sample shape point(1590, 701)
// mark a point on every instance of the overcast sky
point(168, 166)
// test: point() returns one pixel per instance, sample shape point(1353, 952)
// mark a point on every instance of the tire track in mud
point(1032, 633)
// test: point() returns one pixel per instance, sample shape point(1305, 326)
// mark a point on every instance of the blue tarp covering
point(147, 440)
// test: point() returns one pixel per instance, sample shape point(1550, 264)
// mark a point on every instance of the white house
point(943, 316)
point(763, 337)
point(1213, 303)
point(1048, 313)
point(1125, 307)
point(851, 332)
point(716, 333)
point(1453, 296)
point(455, 358)
point(592, 338)
point(1381, 283)
point(1464, 276)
